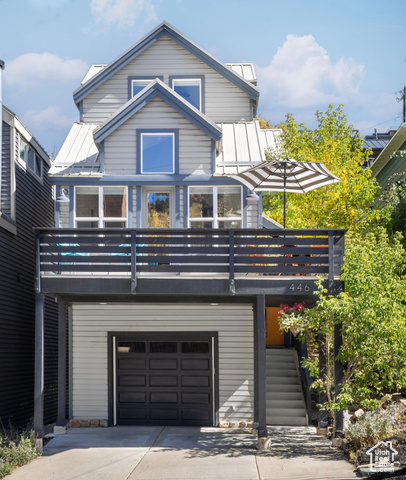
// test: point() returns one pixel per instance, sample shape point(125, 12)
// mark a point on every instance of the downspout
point(1, 122)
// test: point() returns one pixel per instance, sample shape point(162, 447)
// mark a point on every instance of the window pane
point(229, 201)
point(131, 347)
point(114, 202)
point(195, 347)
point(85, 224)
point(138, 85)
point(163, 347)
point(31, 159)
point(157, 153)
point(201, 202)
point(23, 148)
point(158, 209)
point(38, 166)
point(109, 224)
point(198, 224)
point(232, 224)
point(87, 202)
point(189, 89)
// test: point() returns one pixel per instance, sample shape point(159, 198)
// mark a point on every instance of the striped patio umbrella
point(286, 175)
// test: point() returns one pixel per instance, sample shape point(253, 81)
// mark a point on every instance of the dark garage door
point(164, 380)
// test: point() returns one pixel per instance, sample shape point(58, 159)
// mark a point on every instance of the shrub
point(16, 449)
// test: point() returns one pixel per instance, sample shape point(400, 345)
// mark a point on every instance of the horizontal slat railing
point(230, 253)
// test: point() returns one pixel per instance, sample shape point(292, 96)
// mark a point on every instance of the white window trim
point(24, 161)
point(156, 134)
point(215, 219)
point(175, 80)
point(100, 219)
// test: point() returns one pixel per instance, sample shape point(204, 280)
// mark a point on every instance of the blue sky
point(307, 54)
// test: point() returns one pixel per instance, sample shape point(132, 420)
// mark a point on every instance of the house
point(26, 201)
point(377, 142)
point(391, 160)
point(166, 283)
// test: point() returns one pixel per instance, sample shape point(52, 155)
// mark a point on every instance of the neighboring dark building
point(26, 201)
point(377, 142)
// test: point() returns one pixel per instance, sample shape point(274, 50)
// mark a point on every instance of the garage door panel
point(132, 380)
point(195, 381)
point(195, 364)
point(196, 398)
point(132, 363)
point(163, 364)
point(163, 397)
point(129, 414)
point(164, 414)
point(196, 414)
point(163, 380)
point(132, 397)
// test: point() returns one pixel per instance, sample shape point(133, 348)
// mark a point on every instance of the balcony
point(187, 261)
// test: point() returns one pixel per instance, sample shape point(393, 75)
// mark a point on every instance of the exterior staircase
point(285, 404)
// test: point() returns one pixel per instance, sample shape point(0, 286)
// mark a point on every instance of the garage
point(164, 379)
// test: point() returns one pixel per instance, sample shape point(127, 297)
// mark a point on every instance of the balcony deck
point(187, 261)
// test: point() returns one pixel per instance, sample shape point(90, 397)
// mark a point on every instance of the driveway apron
point(185, 453)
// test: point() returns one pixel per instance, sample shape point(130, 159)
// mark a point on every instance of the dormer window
point(190, 88)
point(157, 151)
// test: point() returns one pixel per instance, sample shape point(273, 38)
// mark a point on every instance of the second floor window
point(138, 85)
point(101, 207)
point(215, 207)
point(157, 152)
point(30, 158)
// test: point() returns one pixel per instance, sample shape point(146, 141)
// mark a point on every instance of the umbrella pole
point(284, 195)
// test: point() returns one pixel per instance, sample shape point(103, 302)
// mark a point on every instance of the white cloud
point(51, 117)
point(123, 13)
point(302, 75)
point(30, 68)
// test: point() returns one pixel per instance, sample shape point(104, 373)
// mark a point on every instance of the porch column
point(338, 378)
point(62, 326)
point(323, 414)
point(39, 369)
point(260, 373)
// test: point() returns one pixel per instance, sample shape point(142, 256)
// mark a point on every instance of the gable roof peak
point(164, 28)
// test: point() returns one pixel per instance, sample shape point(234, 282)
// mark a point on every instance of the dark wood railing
point(162, 252)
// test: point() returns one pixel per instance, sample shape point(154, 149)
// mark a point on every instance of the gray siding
point(34, 207)
point(64, 213)
point(5, 199)
point(120, 148)
point(224, 101)
point(234, 324)
point(252, 215)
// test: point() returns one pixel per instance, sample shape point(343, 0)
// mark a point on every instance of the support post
point(62, 326)
point(260, 373)
point(39, 370)
point(338, 378)
point(323, 415)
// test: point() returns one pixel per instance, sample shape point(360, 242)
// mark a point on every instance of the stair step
point(283, 352)
point(282, 373)
point(283, 387)
point(288, 365)
point(286, 412)
point(284, 403)
point(284, 396)
point(287, 420)
point(281, 380)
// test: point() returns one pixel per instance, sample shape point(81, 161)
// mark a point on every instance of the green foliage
point(375, 426)
point(16, 449)
point(333, 143)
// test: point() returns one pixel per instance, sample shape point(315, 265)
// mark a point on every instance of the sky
point(307, 53)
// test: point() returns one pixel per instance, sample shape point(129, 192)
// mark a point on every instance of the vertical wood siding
point(120, 147)
point(224, 102)
point(34, 207)
point(234, 324)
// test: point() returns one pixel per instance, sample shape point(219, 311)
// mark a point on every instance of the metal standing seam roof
point(375, 144)
point(392, 146)
point(245, 70)
point(243, 146)
point(79, 153)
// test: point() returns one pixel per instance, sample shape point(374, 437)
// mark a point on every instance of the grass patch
point(17, 447)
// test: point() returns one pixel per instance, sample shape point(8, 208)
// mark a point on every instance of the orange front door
point(274, 335)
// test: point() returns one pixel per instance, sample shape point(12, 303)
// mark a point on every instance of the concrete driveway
point(185, 453)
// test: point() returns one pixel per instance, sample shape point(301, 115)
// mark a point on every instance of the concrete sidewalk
point(185, 453)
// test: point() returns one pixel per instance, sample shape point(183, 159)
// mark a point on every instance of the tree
point(334, 143)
